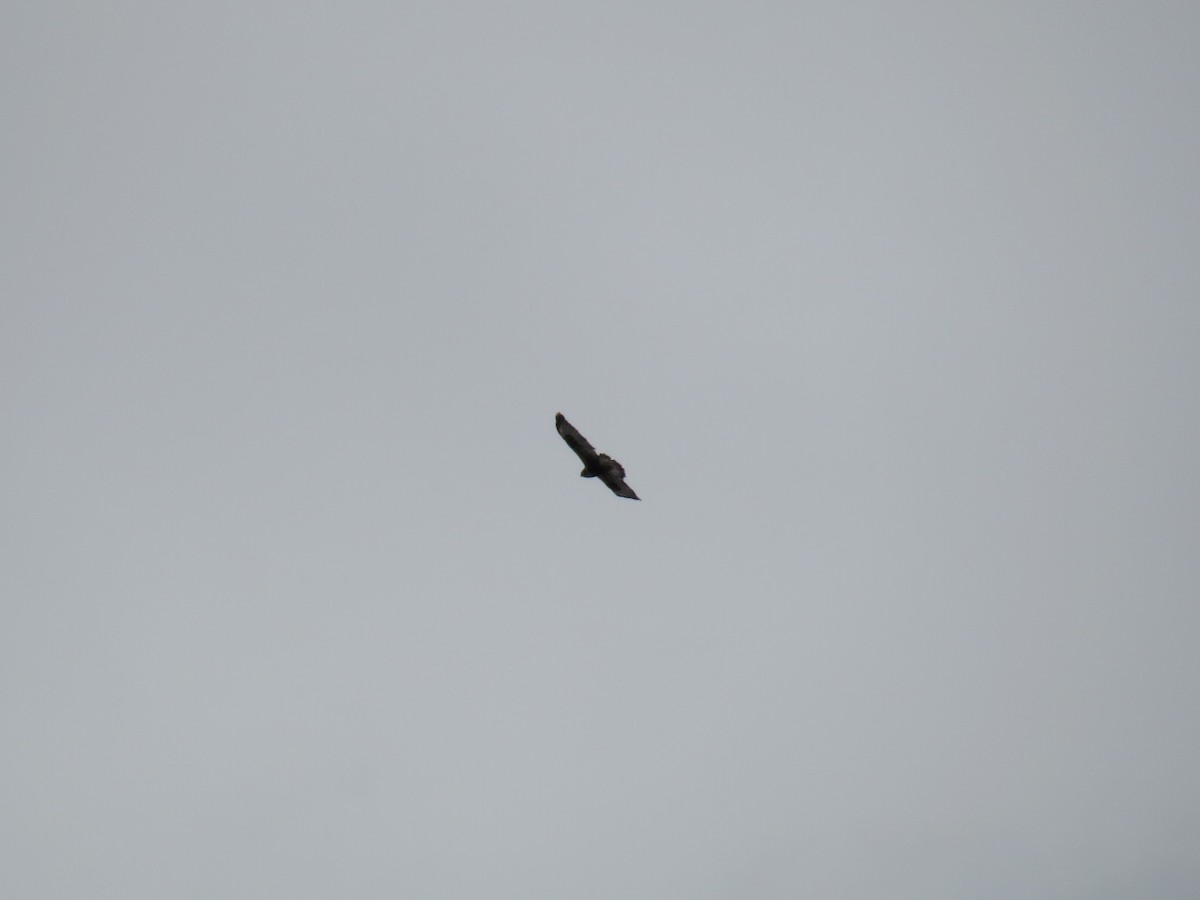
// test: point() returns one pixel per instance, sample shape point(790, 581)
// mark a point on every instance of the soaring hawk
point(595, 465)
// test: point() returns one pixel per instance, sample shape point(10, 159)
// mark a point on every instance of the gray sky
point(890, 311)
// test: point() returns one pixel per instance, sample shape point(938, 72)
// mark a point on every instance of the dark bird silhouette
point(595, 465)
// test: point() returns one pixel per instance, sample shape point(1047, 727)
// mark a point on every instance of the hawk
point(595, 465)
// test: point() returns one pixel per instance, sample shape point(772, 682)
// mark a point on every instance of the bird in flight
point(595, 465)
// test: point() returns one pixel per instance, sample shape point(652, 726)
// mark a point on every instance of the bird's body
point(595, 465)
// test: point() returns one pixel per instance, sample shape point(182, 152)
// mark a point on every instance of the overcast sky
point(890, 310)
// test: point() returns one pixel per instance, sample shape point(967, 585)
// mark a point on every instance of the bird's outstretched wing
point(578, 443)
point(615, 479)
point(595, 465)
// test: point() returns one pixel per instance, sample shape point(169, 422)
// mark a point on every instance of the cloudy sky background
point(890, 311)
